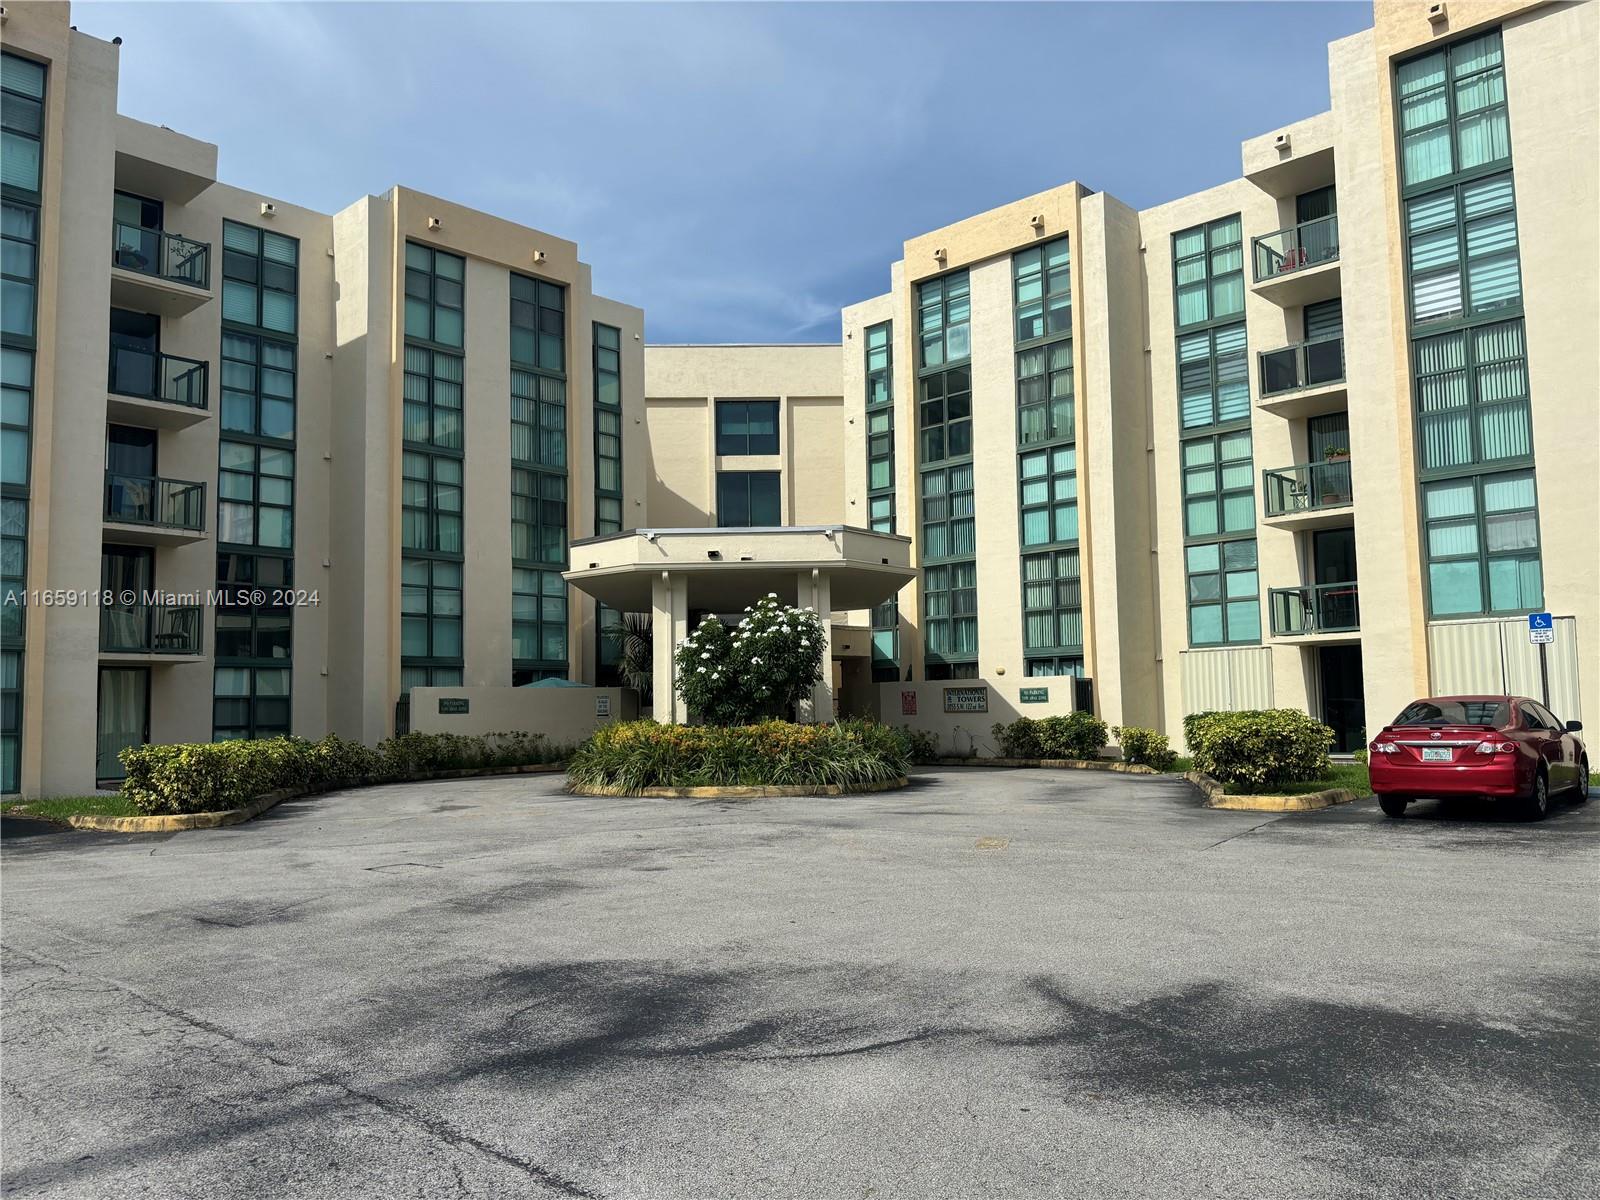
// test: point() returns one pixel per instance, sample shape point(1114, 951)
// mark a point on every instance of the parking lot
point(993, 983)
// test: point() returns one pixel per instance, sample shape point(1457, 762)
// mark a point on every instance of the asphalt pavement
point(990, 984)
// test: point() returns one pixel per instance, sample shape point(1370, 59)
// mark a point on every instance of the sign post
point(1541, 632)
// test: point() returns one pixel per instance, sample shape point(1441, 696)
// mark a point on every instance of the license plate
point(1438, 754)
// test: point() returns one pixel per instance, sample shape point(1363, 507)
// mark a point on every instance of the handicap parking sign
point(1541, 628)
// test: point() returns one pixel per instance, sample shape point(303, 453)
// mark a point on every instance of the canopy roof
point(727, 569)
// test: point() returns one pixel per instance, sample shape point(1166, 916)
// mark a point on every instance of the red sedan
point(1494, 747)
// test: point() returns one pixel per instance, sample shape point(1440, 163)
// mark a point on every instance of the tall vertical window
point(1208, 271)
point(22, 90)
point(1473, 411)
point(260, 278)
point(435, 296)
point(1052, 604)
point(1221, 586)
point(254, 644)
point(539, 479)
point(880, 426)
point(886, 642)
point(1049, 495)
point(1453, 110)
point(255, 482)
point(607, 429)
point(433, 470)
point(950, 625)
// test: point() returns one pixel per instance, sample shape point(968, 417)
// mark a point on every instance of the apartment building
point(1320, 437)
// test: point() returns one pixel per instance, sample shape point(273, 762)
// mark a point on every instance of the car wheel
point(1393, 806)
point(1580, 794)
point(1536, 804)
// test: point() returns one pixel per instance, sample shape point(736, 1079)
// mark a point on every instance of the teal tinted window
point(1208, 271)
point(607, 429)
point(944, 320)
point(435, 285)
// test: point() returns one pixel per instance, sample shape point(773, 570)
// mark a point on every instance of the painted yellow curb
point(1217, 797)
point(177, 822)
point(739, 793)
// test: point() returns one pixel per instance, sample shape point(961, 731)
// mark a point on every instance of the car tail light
point(1497, 747)
point(1385, 748)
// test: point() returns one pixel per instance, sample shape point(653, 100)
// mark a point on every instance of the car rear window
point(1493, 713)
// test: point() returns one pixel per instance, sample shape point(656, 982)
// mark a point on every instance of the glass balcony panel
point(1306, 487)
point(1307, 244)
point(150, 629)
point(149, 375)
point(1322, 608)
point(144, 500)
point(1302, 365)
point(161, 255)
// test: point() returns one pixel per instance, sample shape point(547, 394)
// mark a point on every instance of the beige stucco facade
point(1132, 591)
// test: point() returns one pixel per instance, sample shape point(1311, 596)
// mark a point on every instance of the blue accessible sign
point(1541, 629)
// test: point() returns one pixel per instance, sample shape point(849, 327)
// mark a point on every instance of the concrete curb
point(739, 793)
point(1217, 797)
point(1069, 764)
point(177, 822)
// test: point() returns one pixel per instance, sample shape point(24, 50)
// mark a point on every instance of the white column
point(669, 625)
point(814, 590)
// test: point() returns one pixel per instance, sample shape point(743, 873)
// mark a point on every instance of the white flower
point(804, 642)
point(706, 654)
point(772, 595)
point(755, 661)
point(810, 609)
point(747, 608)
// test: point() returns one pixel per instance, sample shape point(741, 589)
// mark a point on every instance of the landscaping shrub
point(1263, 749)
point(634, 755)
point(1145, 746)
point(920, 745)
point(759, 669)
point(212, 776)
point(1079, 735)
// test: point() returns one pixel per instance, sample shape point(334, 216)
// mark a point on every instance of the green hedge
point(1261, 749)
point(1079, 735)
point(1145, 747)
point(212, 776)
point(633, 755)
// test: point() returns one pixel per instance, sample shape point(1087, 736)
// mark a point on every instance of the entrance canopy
point(722, 570)
point(670, 573)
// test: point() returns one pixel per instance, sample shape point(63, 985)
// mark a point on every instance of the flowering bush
point(761, 668)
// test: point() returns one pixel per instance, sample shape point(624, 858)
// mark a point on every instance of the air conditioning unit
point(539, 256)
point(268, 209)
point(435, 223)
point(1437, 14)
point(1037, 220)
point(1281, 142)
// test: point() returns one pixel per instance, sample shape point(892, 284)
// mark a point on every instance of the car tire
point(1536, 804)
point(1393, 806)
point(1580, 794)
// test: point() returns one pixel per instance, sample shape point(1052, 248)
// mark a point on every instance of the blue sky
point(740, 171)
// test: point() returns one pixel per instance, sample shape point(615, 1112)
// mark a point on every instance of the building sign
point(1541, 629)
point(452, 706)
point(1035, 695)
point(966, 700)
point(908, 704)
point(602, 706)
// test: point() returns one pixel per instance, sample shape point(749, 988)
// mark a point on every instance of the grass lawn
point(59, 808)
point(1344, 775)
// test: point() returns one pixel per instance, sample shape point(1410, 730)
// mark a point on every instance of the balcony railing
point(1302, 365)
point(162, 255)
point(1306, 487)
point(151, 629)
point(1323, 608)
point(145, 500)
point(151, 375)
point(1307, 244)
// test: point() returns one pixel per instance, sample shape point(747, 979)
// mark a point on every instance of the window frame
point(730, 444)
point(748, 478)
point(608, 448)
point(413, 274)
point(1481, 554)
point(262, 267)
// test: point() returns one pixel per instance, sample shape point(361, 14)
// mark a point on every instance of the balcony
point(157, 272)
point(1324, 612)
point(1309, 495)
point(149, 633)
point(147, 511)
point(1298, 265)
point(155, 390)
point(1303, 380)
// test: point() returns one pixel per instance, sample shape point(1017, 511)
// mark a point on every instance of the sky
point(740, 171)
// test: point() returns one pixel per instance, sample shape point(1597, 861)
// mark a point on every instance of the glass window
point(880, 427)
point(430, 610)
point(1453, 110)
point(431, 488)
point(538, 517)
point(1042, 291)
point(944, 414)
point(748, 498)
point(258, 386)
point(538, 324)
point(886, 642)
point(1213, 377)
point(1223, 593)
point(950, 613)
point(1461, 247)
point(1472, 396)
point(1208, 271)
point(538, 620)
point(1482, 545)
point(435, 295)
point(1218, 485)
point(747, 427)
point(255, 495)
point(948, 513)
point(260, 278)
point(607, 429)
point(1052, 601)
point(1049, 493)
point(432, 398)
point(944, 319)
